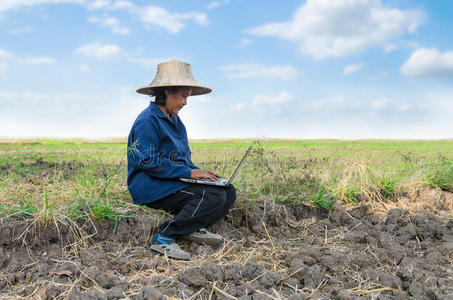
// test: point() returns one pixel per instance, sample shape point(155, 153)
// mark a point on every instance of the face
point(177, 100)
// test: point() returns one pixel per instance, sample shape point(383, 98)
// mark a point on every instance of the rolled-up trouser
point(194, 207)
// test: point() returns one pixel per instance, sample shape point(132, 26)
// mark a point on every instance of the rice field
point(62, 173)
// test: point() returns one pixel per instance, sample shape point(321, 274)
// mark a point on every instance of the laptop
point(220, 181)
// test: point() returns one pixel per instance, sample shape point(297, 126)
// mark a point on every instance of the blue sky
point(291, 69)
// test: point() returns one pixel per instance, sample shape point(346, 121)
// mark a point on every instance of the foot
point(168, 246)
point(204, 236)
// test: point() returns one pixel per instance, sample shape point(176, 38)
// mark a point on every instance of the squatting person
point(159, 154)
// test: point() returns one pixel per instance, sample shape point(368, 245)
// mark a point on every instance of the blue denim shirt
point(158, 154)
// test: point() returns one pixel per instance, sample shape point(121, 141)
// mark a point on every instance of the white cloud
point(253, 70)
point(239, 106)
point(83, 67)
point(395, 45)
point(69, 115)
point(429, 62)
point(112, 5)
point(325, 28)
point(259, 101)
point(4, 54)
point(350, 69)
point(121, 30)
point(112, 114)
point(404, 107)
point(281, 98)
point(149, 63)
point(215, 4)
point(390, 48)
point(99, 50)
point(98, 4)
point(426, 115)
point(154, 15)
point(378, 76)
point(149, 15)
point(95, 20)
point(386, 106)
point(44, 60)
point(111, 51)
point(122, 4)
point(3, 66)
point(202, 99)
point(21, 30)
point(172, 22)
point(13, 4)
point(334, 102)
point(245, 42)
point(380, 104)
point(111, 23)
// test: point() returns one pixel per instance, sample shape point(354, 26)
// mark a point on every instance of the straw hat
point(174, 73)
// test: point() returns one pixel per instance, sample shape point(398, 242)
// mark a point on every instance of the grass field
point(69, 230)
point(43, 177)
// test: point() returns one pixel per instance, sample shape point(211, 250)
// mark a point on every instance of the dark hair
point(159, 93)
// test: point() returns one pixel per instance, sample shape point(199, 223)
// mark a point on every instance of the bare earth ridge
point(270, 252)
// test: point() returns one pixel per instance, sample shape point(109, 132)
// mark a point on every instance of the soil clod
point(347, 254)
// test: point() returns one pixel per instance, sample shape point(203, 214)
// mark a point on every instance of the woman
point(159, 154)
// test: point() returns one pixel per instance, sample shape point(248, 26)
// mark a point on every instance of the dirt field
point(270, 252)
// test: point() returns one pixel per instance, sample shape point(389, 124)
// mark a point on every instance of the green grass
point(79, 178)
point(20, 210)
point(323, 199)
point(442, 178)
point(97, 209)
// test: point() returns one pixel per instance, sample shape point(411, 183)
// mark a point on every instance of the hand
point(197, 173)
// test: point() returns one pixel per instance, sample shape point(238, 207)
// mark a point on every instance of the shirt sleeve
point(146, 151)
point(191, 164)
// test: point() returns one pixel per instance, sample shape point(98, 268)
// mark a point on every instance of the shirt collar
point(156, 109)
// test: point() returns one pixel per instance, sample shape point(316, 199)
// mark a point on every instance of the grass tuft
point(47, 213)
point(21, 210)
point(323, 199)
point(347, 194)
point(97, 209)
point(442, 178)
point(388, 185)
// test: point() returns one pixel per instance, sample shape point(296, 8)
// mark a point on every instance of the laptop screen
point(240, 163)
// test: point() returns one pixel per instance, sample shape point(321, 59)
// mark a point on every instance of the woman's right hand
point(198, 173)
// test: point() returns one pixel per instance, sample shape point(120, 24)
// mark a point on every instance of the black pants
point(194, 207)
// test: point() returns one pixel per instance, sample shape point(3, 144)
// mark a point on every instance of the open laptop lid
point(239, 165)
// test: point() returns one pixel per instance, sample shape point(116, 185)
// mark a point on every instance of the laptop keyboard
point(209, 180)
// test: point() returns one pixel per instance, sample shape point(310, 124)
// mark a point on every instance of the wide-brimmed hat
point(174, 73)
